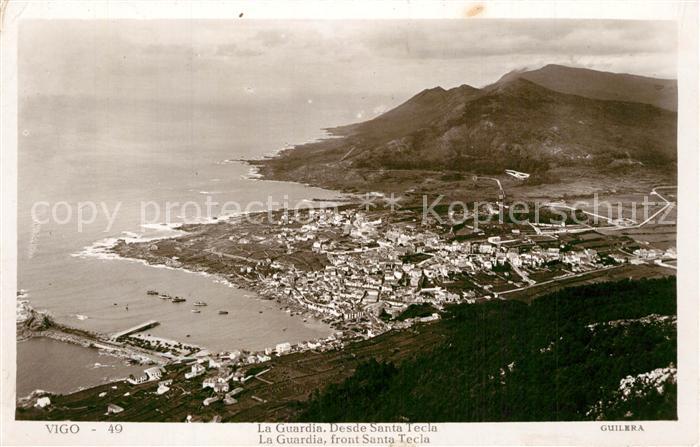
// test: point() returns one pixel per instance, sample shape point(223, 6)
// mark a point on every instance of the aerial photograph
point(326, 221)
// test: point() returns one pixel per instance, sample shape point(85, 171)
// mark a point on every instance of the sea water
point(79, 150)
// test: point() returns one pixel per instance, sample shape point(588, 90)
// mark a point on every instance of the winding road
point(615, 226)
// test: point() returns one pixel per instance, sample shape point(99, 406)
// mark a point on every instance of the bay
point(118, 155)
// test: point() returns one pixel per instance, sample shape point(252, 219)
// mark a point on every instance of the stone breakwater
point(34, 323)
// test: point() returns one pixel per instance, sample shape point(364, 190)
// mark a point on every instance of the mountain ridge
point(603, 85)
point(514, 123)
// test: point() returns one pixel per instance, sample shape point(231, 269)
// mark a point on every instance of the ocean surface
point(74, 151)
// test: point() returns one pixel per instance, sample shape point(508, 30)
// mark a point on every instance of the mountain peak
point(431, 91)
point(465, 88)
point(604, 85)
point(516, 85)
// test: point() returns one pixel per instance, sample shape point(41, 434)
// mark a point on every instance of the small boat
point(196, 311)
point(177, 299)
point(152, 292)
point(200, 303)
point(223, 312)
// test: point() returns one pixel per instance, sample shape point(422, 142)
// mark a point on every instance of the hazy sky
point(251, 61)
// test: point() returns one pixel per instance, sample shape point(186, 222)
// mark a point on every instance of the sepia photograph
point(348, 231)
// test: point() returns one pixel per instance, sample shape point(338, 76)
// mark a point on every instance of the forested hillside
point(605, 351)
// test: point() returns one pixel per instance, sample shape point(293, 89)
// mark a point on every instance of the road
point(615, 227)
point(561, 278)
point(663, 264)
point(522, 274)
point(235, 257)
point(668, 203)
point(491, 178)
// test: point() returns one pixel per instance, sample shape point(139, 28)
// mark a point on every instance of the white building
point(210, 400)
point(154, 373)
point(162, 389)
point(137, 380)
point(196, 370)
point(283, 348)
point(114, 409)
point(42, 402)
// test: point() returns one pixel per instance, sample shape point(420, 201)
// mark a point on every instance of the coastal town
point(346, 232)
point(361, 270)
point(365, 273)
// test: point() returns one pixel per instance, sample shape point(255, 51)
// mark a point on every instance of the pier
point(135, 329)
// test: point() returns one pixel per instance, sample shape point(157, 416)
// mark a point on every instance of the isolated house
point(283, 348)
point(137, 380)
point(162, 389)
point(154, 373)
point(196, 370)
point(114, 409)
point(42, 402)
point(210, 400)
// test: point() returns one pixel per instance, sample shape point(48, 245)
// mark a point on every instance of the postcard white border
point(681, 432)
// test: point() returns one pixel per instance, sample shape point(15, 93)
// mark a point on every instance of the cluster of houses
point(215, 371)
point(375, 267)
point(222, 372)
